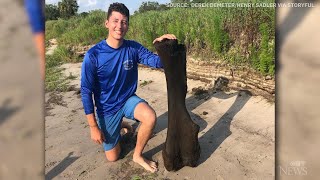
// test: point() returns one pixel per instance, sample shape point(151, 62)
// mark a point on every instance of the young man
point(110, 73)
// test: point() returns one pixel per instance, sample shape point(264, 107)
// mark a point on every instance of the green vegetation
point(218, 37)
point(136, 178)
point(151, 6)
point(68, 8)
point(65, 9)
point(266, 64)
point(55, 81)
point(145, 177)
point(241, 36)
point(51, 12)
point(78, 30)
point(234, 35)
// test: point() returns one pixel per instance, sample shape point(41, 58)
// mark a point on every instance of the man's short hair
point(118, 7)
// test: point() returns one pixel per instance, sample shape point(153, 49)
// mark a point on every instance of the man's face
point(118, 25)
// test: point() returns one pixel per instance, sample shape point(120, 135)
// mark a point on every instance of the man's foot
point(146, 164)
point(126, 127)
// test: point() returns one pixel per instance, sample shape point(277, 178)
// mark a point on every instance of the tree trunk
point(182, 146)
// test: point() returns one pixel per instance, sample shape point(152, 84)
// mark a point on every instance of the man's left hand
point(165, 36)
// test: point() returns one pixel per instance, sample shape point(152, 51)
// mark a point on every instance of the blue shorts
point(111, 125)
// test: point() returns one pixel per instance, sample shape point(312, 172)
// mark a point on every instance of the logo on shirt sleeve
point(128, 64)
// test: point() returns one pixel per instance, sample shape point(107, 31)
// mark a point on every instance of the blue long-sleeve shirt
point(34, 9)
point(111, 75)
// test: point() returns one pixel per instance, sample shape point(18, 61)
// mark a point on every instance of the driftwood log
point(182, 146)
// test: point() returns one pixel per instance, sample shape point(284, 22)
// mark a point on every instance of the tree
point(83, 14)
point(51, 12)
point(68, 8)
point(151, 6)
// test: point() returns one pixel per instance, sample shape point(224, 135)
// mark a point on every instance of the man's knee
point(150, 117)
point(112, 158)
point(113, 154)
point(145, 114)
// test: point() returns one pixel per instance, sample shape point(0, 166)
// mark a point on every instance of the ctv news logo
point(294, 168)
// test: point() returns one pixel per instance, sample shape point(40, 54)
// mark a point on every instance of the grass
point(55, 79)
point(136, 178)
point(148, 176)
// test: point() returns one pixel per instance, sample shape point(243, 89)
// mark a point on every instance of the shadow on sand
point(211, 139)
point(59, 168)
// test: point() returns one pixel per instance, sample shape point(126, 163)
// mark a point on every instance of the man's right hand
point(97, 135)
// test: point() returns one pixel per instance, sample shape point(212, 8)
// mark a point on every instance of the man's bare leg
point(146, 115)
point(113, 154)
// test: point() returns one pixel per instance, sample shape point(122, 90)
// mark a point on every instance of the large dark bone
point(181, 147)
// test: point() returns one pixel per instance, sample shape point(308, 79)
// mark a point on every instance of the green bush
point(218, 37)
point(55, 28)
point(266, 56)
